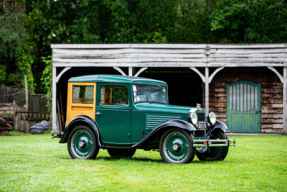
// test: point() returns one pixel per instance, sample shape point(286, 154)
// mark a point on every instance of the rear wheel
point(82, 143)
point(213, 153)
point(121, 153)
point(176, 146)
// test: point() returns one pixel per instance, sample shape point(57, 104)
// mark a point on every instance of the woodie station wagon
point(122, 114)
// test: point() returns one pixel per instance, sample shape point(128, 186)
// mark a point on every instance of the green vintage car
point(122, 114)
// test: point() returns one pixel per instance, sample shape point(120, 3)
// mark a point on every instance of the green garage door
point(244, 107)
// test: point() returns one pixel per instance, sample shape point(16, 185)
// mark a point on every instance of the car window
point(114, 95)
point(150, 93)
point(83, 94)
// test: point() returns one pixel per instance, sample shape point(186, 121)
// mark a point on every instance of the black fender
point(178, 123)
point(81, 120)
point(218, 125)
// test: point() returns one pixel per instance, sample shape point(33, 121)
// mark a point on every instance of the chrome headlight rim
point(212, 118)
point(193, 118)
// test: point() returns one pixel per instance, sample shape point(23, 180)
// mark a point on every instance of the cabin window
point(83, 94)
point(114, 95)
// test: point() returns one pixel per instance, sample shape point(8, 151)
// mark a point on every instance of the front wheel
point(121, 153)
point(213, 153)
point(82, 143)
point(176, 146)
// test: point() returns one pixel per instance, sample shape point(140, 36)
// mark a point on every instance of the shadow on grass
point(136, 159)
point(131, 159)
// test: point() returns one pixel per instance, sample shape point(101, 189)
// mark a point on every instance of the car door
point(113, 113)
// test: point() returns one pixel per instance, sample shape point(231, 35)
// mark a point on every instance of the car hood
point(155, 107)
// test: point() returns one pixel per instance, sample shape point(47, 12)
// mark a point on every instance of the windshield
point(150, 93)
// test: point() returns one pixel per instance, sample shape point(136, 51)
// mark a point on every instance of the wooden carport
point(192, 56)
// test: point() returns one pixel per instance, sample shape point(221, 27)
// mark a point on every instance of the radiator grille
point(201, 116)
point(199, 134)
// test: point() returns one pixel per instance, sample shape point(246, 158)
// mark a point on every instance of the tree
point(255, 21)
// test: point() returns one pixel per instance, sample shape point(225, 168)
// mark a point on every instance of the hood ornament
point(198, 106)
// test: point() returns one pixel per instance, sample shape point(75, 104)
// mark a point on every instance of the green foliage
point(7, 114)
point(255, 21)
point(47, 80)
point(28, 28)
point(15, 53)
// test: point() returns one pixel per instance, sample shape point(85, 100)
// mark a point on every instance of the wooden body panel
point(76, 109)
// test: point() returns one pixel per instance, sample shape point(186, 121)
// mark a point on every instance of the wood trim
point(81, 107)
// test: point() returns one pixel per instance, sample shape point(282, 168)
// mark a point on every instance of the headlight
point(212, 118)
point(193, 118)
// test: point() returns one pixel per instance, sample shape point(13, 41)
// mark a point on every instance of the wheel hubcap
point(176, 147)
point(82, 144)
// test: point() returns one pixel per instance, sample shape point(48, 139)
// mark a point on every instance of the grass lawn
point(38, 163)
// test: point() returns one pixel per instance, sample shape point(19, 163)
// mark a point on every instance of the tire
point(121, 153)
point(176, 146)
point(213, 153)
point(82, 143)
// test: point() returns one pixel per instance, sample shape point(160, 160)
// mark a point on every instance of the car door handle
point(98, 113)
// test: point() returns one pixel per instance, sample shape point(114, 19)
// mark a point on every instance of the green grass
point(8, 114)
point(38, 163)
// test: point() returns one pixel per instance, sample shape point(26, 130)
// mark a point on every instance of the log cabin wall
point(271, 95)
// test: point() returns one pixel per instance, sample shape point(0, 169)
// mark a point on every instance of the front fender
point(81, 120)
point(181, 124)
point(220, 124)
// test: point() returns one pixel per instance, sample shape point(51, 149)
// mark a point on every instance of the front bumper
point(213, 143)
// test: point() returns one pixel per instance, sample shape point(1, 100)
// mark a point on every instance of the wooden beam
point(277, 73)
point(62, 72)
point(167, 64)
point(214, 73)
point(199, 73)
point(120, 70)
point(140, 71)
point(167, 46)
point(206, 91)
point(54, 93)
point(130, 71)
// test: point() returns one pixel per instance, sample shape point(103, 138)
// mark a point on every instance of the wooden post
point(26, 93)
point(284, 101)
point(206, 91)
point(54, 94)
point(14, 114)
point(130, 71)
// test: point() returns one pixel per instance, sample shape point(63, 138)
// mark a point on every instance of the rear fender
point(174, 123)
point(81, 120)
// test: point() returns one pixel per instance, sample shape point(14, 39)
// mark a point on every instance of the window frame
point(93, 99)
point(112, 98)
point(166, 88)
point(128, 86)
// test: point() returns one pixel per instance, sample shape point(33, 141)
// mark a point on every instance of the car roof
point(116, 79)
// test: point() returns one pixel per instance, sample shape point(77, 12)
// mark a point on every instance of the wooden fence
point(36, 101)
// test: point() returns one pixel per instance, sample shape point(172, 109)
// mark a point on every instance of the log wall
point(271, 95)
